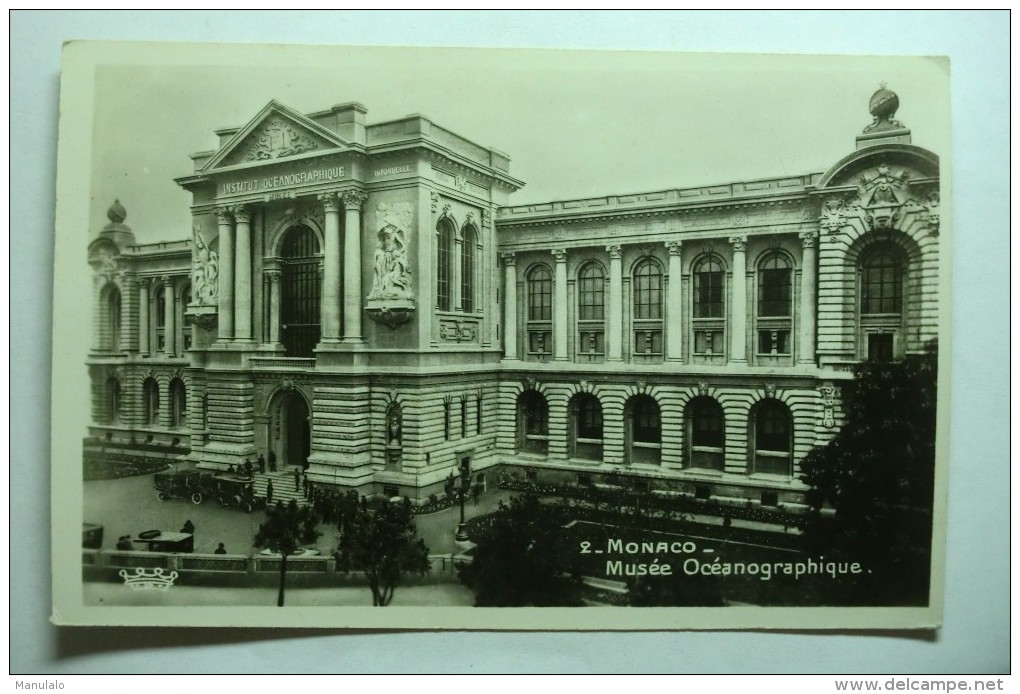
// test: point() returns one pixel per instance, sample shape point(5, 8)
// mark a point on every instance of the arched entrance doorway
point(290, 434)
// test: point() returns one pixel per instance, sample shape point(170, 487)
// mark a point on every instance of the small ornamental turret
point(117, 231)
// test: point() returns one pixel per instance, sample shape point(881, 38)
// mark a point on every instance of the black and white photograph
point(457, 332)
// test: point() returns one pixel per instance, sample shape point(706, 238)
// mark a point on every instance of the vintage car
point(162, 541)
point(182, 485)
point(234, 491)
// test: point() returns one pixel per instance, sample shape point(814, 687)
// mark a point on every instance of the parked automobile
point(234, 491)
point(182, 485)
point(162, 541)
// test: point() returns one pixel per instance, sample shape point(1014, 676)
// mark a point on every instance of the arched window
point(394, 435)
point(775, 305)
point(178, 403)
point(150, 402)
point(112, 397)
point(159, 310)
point(648, 308)
point(468, 250)
point(532, 423)
point(709, 318)
point(184, 342)
point(300, 292)
point(586, 427)
point(111, 302)
point(882, 270)
point(591, 312)
point(644, 430)
point(772, 439)
point(539, 288)
point(444, 268)
point(706, 433)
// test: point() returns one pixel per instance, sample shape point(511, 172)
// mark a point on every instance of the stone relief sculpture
point(204, 271)
point(391, 300)
point(279, 139)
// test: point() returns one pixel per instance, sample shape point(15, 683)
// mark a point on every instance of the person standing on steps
point(297, 478)
point(269, 492)
point(272, 461)
point(262, 464)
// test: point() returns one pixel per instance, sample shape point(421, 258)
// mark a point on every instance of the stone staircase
point(283, 487)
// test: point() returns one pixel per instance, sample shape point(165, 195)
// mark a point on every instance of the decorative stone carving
point(703, 388)
point(807, 239)
point(674, 247)
point(447, 208)
point(509, 258)
point(107, 266)
point(486, 218)
point(435, 201)
point(298, 214)
point(205, 271)
point(739, 243)
point(279, 139)
point(882, 195)
point(242, 214)
point(329, 201)
point(468, 218)
point(529, 382)
point(391, 300)
point(354, 199)
point(560, 254)
point(882, 106)
point(615, 252)
point(931, 205)
point(829, 394)
point(462, 182)
point(458, 331)
point(770, 390)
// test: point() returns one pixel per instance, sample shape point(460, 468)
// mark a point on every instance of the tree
point(878, 475)
point(382, 542)
point(521, 558)
point(287, 528)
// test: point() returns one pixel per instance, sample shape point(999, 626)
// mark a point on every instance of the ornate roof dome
point(116, 214)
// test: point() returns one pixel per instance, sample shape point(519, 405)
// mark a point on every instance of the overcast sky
point(575, 124)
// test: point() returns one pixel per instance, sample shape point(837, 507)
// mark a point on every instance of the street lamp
point(461, 491)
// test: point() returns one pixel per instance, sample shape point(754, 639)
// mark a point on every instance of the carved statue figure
point(392, 278)
point(204, 273)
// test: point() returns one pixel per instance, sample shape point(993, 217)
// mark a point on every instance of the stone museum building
point(363, 300)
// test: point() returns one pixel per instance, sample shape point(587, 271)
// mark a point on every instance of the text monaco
point(270, 182)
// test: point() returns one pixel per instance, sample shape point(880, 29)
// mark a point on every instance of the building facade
point(363, 301)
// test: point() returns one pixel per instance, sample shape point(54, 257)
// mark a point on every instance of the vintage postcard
point(493, 339)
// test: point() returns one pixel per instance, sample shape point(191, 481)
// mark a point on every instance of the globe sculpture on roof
point(116, 214)
point(882, 106)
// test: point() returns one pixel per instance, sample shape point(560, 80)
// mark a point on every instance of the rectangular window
point(774, 292)
point(708, 294)
point(880, 347)
point(478, 415)
point(463, 418)
point(446, 420)
point(773, 342)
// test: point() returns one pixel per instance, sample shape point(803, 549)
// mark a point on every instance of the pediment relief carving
point(276, 137)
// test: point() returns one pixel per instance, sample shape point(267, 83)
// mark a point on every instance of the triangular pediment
point(277, 132)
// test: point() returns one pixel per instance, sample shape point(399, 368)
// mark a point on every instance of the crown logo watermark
point(144, 579)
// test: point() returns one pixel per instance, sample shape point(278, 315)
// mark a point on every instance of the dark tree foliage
point(285, 530)
point(521, 558)
point(878, 474)
point(381, 541)
point(676, 590)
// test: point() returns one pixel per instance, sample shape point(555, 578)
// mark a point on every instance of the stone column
point(331, 270)
point(242, 274)
point(457, 276)
point(97, 313)
point(614, 343)
point(808, 308)
point(143, 316)
point(353, 200)
point(170, 324)
point(509, 305)
point(738, 311)
point(559, 315)
point(674, 304)
point(274, 306)
point(225, 320)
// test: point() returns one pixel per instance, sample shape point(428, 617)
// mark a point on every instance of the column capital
point(509, 258)
point(272, 274)
point(353, 199)
point(560, 254)
point(739, 243)
point(674, 247)
point(224, 215)
point(242, 214)
point(808, 238)
point(166, 281)
point(330, 201)
point(615, 251)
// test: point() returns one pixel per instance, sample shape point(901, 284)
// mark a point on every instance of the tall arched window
point(184, 342)
point(706, 433)
point(111, 307)
point(539, 289)
point(300, 292)
point(112, 400)
point(444, 267)
point(532, 423)
point(586, 427)
point(648, 308)
point(468, 251)
point(775, 305)
point(882, 272)
point(178, 403)
point(150, 401)
point(591, 312)
point(709, 319)
point(643, 430)
point(159, 309)
point(772, 439)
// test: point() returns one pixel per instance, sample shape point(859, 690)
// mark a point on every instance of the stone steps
point(283, 487)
